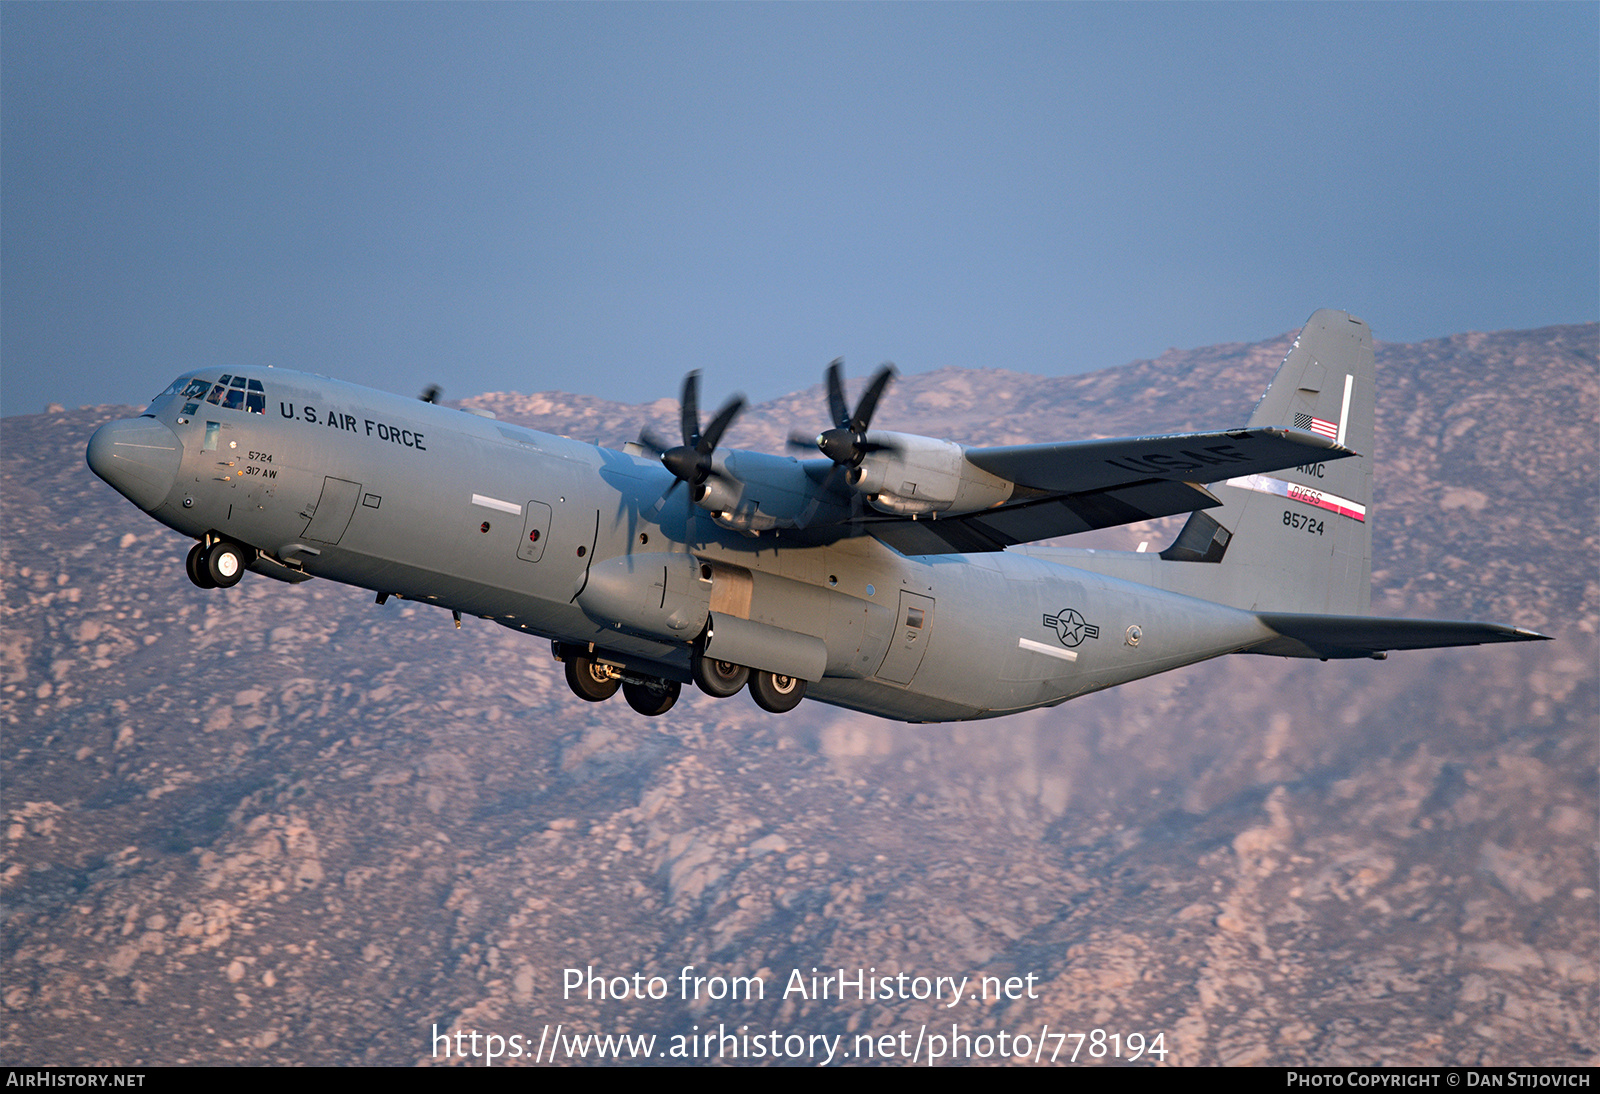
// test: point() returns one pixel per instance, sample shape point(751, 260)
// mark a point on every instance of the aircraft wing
point(1076, 467)
point(1077, 486)
point(1341, 636)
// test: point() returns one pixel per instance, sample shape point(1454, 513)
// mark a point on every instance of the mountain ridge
point(283, 825)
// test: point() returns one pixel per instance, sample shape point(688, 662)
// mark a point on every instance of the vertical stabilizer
point(1300, 539)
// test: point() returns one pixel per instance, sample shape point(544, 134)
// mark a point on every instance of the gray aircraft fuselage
point(892, 576)
point(570, 542)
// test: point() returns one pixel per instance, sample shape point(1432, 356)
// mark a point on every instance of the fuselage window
point(256, 400)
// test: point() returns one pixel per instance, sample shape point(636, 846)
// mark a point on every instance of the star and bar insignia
point(1071, 627)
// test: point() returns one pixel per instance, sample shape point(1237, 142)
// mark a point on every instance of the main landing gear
point(772, 692)
point(719, 679)
point(778, 694)
point(591, 680)
point(596, 680)
point(652, 698)
point(217, 565)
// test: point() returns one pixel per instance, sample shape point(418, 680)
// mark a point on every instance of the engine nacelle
point(911, 476)
point(752, 492)
point(729, 507)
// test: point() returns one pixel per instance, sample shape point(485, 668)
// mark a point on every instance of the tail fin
point(1300, 539)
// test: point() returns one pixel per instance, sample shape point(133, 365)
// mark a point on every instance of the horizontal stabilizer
point(1338, 636)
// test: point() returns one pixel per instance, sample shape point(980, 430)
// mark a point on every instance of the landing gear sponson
point(593, 676)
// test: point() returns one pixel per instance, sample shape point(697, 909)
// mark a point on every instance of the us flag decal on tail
point(1334, 431)
point(1327, 429)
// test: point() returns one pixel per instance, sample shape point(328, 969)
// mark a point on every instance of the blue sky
point(598, 197)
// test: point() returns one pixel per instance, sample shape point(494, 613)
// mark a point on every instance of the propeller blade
point(692, 461)
point(870, 397)
point(719, 424)
point(845, 443)
point(808, 514)
point(690, 404)
point(654, 444)
point(431, 393)
point(838, 409)
point(654, 512)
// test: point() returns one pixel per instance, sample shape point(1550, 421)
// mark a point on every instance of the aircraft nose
point(139, 457)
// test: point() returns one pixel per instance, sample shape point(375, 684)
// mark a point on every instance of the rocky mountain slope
point(281, 824)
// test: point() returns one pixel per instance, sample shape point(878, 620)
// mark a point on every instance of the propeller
point(690, 462)
point(846, 443)
point(431, 393)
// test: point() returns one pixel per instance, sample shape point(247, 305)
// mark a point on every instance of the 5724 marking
point(1301, 523)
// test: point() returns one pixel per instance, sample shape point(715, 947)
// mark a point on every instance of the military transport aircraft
point(889, 575)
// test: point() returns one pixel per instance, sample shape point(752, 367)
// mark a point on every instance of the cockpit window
point(184, 387)
point(231, 392)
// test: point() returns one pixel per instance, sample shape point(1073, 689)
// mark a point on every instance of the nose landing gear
point(195, 567)
point(217, 565)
